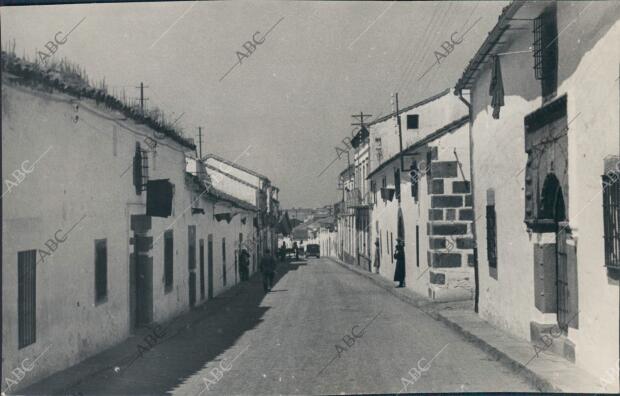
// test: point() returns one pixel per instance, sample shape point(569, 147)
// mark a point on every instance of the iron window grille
point(546, 50)
point(26, 297)
point(611, 219)
point(491, 236)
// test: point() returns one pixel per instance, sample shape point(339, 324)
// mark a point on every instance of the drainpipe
point(471, 185)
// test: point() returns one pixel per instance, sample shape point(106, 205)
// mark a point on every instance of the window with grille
point(611, 219)
point(491, 236)
point(546, 50)
point(168, 260)
point(26, 297)
point(140, 169)
point(101, 270)
point(417, 245)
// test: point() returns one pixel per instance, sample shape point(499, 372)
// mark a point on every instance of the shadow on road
point(192, 340)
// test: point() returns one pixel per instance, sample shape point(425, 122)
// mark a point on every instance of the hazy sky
point(291, 100)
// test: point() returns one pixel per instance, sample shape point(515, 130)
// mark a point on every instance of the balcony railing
point(356, 200)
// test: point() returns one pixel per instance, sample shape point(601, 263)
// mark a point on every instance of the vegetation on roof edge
point(71, 79)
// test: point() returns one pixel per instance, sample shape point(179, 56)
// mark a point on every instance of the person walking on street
point(377, 256)
point(244, 265)
point(283, 251)
point(296, 250)
point(268, 268)
point(399, 273)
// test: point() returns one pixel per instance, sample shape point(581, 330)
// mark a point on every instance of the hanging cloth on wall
point(496, 89)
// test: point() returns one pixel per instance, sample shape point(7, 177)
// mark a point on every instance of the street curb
point(423, 304)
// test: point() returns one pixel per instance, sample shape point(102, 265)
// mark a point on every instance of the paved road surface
point(285, 343)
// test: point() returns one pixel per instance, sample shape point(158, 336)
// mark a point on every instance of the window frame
point(413, 119)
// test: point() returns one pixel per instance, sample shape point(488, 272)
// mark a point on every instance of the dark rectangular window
point(26, 297)
point(101, 270)
point(546, 51)
point(491, 236)
point(417, 245)
point(611, 219)
point(412, 121)
point(168, 260)
point(224, 260)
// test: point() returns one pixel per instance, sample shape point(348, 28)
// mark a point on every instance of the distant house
point(254, 188)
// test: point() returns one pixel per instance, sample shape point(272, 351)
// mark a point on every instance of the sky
point(289, 100)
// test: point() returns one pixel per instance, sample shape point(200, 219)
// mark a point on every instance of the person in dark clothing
point(399, 273)
point(244, 265)
point(283, 251)
point(377, 256)
point(296, 250)
point(268, 268)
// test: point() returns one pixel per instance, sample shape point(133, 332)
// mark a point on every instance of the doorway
point(210, 266)
point(191, 263)
point(553, 209)
point(202, 268)
point(140, 272)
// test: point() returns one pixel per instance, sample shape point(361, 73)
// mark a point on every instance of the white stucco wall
point(81, 175)
point(587, 72)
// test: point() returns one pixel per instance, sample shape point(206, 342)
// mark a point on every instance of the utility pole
point(200, 142)
point(361, 124)
point(361, 116)
point(142, 98)
point(400, 133)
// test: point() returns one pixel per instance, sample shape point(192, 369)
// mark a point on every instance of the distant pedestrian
point(244, 265)
point(268, 268)
point(283, 251)
point(399, 273)
point(377, 256)
point(296, 250)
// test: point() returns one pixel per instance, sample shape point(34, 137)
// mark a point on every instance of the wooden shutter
point(168, 260)
point(491, 236)
point(101, 270)
point(26, 297)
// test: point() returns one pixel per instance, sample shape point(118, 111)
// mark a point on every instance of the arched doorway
point(553, 211)
point(552, 200)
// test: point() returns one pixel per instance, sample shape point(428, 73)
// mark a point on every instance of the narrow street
point(279, 343)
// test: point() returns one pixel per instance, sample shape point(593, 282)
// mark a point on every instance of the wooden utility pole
point(400, 134)
point(361, 116)
point(142, 98)
point(200, 142)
